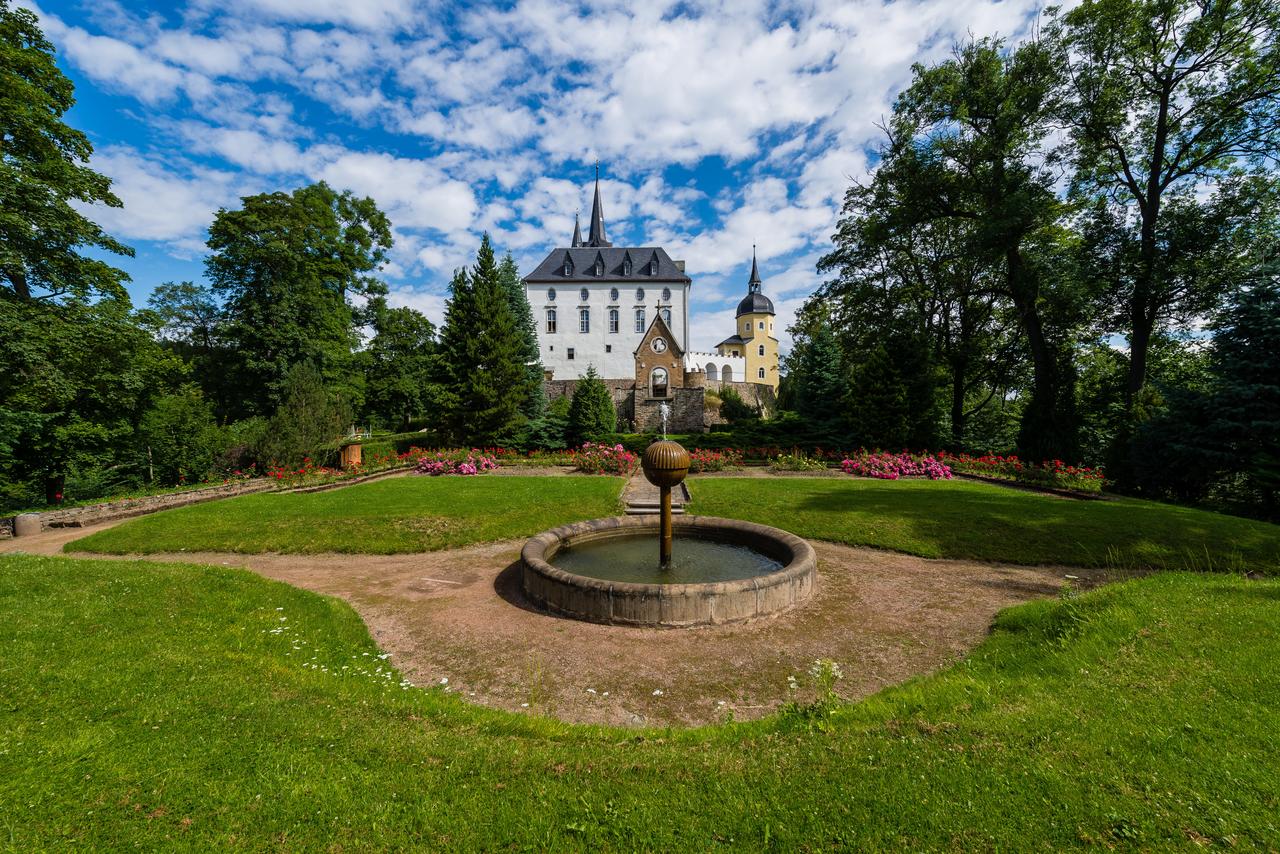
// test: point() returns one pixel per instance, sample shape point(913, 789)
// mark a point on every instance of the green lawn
point(960, 519)
point(397, 515)
point(172, 707)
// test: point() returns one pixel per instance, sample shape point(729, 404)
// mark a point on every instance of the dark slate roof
point(595, 237)
point(583, 258)
point(731, 340)
point(755, 303)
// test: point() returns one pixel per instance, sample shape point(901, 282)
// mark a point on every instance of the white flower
point(444, 680)
point(657, 692)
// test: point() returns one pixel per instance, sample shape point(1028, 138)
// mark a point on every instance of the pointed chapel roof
point(596, 236)
point(577, 231)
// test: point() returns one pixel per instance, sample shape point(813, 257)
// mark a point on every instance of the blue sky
point(717, 125)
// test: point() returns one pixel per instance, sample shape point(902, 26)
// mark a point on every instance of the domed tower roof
point(754, 302)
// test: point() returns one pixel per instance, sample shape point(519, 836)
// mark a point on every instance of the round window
point(666, 294)
point(639, 294)
point(551, 294)
point(583, 295)
point(613, 294)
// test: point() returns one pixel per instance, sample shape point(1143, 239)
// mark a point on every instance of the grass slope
point(403, 514)
point(196, 708)
point(959, 519)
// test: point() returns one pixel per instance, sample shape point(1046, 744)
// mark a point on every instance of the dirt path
point(459, 615)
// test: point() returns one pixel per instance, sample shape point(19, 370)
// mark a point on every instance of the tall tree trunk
point(1141, 315)
point(959, 371)
point(1041, 435)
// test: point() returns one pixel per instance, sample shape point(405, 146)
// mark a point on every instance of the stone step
point(650, 510)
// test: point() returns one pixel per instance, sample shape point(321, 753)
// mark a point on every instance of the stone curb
point(669, 605)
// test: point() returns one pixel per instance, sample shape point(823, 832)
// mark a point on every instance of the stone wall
point(637, 412)
point(754, 394)
point(90, 514)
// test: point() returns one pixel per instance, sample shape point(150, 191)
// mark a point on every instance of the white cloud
point(414, 193)
point(170, 201)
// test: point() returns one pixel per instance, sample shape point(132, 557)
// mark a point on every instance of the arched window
point(639, 320)
point(726, 374)
point(551, 320)
point(613, 294)
point(666, 294)
point(761, 349)
point(551, 294)
point(599, 268)
point(658, 382)
point(568, 266)
point(613, 320)
point(760, 373)
point(584, 320)
point(584, 295)
point(711, 371)
point(666, 315)
point(639, 294)
point(626, 267)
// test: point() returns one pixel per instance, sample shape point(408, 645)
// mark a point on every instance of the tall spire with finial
point(577, 232)
point(596, 236)
point(754, 283)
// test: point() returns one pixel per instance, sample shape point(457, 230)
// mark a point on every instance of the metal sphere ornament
point(665, 464)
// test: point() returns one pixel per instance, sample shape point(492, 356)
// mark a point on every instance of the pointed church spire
point(577, 232)
point(754, 283)
point(596, 236)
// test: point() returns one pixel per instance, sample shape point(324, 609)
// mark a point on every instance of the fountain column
point(665, 465)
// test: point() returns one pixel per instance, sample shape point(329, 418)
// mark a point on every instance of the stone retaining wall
point(91, 514)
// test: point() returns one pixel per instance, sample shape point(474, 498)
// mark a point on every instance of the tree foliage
point(285, 266)
point(400, 366)
point(45, 179)
point(592, 415)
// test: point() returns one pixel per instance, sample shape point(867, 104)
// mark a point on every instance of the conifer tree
point(876, 403)
point(591, 412)
point(485, 376)
point(819, 385)
point(519, 302)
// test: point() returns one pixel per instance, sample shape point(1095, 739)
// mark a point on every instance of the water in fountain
point(635, 559)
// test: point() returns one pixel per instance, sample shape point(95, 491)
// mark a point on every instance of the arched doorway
point(712, 373)
point(658, 382)
point(726, 374)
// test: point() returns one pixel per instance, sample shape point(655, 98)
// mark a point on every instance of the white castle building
point(625, 312)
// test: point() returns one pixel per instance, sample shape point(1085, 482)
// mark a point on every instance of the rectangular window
point(613, 320)
point(551, 320)
point(570, 354)
point(584, 320)
point(639, 320)
point(608, 348)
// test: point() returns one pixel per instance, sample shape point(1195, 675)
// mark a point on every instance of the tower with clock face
point(659, 361)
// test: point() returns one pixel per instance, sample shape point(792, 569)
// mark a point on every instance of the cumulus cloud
point(721, 124)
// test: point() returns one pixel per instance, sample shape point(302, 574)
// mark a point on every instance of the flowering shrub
point(1052, 473)
point(596, 458)
point(701, 459)
point(308, 472)
point(797, 461)
point(461, 462)
point(888, 466)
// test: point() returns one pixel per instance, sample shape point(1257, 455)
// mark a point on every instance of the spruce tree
point(485, 376)
point(876, 404)
point(591, 413)
point(819, 381)
point(525, 324)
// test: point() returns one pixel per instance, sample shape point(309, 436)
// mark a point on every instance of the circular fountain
point(665, 571)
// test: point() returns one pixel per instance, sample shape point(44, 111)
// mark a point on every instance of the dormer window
point(568, 266)
point(626, 267)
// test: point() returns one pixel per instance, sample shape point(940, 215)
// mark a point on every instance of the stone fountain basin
point(668, 605)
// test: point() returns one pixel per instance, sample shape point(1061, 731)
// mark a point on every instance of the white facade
point(567, 348)
point(717, 367)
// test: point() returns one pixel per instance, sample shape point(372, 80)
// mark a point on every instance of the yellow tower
point(754, 338)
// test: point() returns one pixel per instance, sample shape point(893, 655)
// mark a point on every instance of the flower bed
point(797, 461)
point(889, 466)
point(460, 462)
point(1054, 474)
point(596, 458)
point(703, 459)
